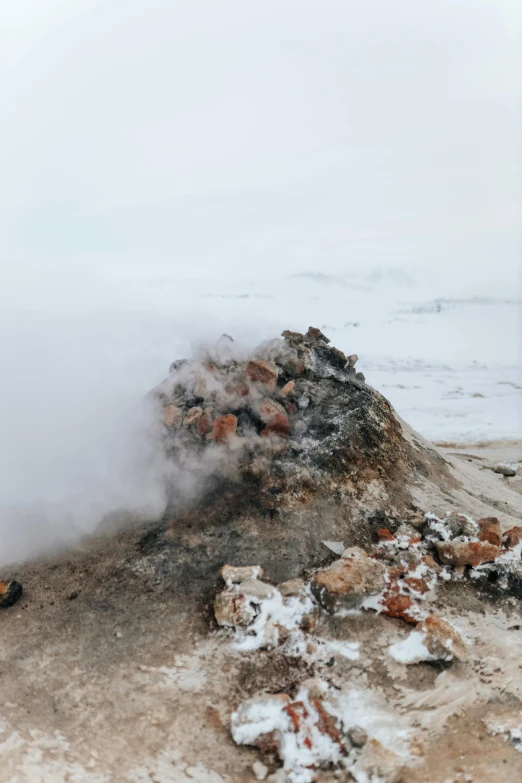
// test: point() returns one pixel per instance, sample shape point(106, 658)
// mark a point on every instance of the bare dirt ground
point(112, 667)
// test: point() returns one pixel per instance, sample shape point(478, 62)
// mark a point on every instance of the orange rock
point(513, 537)
point(171, 415)
point(490, 530)
point(262, 372)
point(396, 604)
point(192, 416)
point(287, 389)
point(278, 425)
point(347, 581)
point(224, 427)
point(463, 553)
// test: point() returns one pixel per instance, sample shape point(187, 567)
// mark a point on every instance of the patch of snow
point(411, 650)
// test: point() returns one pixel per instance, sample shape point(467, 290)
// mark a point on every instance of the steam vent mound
point(327, 597)
point(289, 443)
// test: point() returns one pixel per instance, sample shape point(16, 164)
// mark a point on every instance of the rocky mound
point(290, 429)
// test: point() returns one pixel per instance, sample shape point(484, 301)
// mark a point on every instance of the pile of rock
point(221, 397)
point(293, 414)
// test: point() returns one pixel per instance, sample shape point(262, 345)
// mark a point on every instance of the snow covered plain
point(451, 366)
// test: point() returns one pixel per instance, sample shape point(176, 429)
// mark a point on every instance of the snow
point(411, 650)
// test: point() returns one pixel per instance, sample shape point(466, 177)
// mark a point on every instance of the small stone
point(287, 389)
point(351, 361)
point(294, 338)
point(10, 593)
point(268, 409)
point(232, 608)
point(294, 366)
point(463, 553)
point(441, 639)
point(360, 377)
point(313, 335)
point(293, 587)
point(489, 530)
point(262, 372)
point(513, 537)
point(508, 469)
point(348, 581)
point(357, 736)
point(395, 604)
point(224, 427)
point(118, 634)
point(259, 770)
point(171, 415)
point(278, 425)
point(295, 446)
point(192, 416)
point(204, 424)
point(383, 534)
point(238, 574)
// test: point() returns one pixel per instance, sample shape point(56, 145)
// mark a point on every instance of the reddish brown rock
point(192, 416)
point(441, 639)
point(268, 409)
point(348, 581)
point(224, 428)
point(464, 553)
point(490, 530)
point(417, 585)
point(383, 534)
point(204, 424)
point(395, 604)
point(172, 415)
point(262, 372)
point(513, 537)
point(278, 425)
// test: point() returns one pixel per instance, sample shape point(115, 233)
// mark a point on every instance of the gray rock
point(357, 736)
point(508, 469)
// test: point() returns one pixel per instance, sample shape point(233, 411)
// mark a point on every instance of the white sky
point(286, 135)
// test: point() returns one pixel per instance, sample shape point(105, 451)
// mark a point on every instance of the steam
point(80, 441)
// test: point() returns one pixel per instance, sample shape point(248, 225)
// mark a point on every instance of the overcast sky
point(287, 135)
